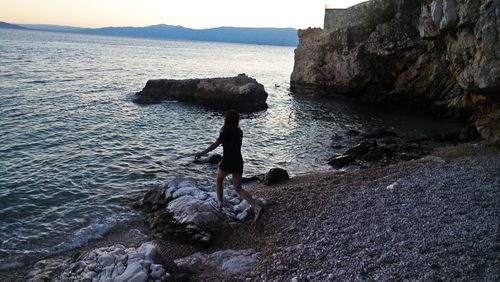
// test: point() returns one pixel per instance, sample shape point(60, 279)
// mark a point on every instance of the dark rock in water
point(340, 161)
point(469, 133)
point(275, 175)
point(379, 133)
point(241, 93)
point(359, 150)
point(392, 149)
point(215, 159)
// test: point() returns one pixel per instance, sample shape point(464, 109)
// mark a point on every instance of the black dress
point(232, 161)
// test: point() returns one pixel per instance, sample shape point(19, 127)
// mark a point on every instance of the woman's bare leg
point(237, 178)
point(219, 188)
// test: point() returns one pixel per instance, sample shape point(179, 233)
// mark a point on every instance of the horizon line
point(194, 28)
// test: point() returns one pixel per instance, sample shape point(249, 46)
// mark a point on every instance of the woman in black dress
point(231, 137)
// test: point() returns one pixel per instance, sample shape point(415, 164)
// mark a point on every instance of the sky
point(188, 13)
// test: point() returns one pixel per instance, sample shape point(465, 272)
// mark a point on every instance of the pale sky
point(188, 13)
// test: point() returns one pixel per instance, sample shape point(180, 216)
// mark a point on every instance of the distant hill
point(248, 35)
point(267, 36)
point(11, 26)
point(51, 27)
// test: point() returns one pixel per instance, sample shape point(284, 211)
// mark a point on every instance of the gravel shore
point(436, 218)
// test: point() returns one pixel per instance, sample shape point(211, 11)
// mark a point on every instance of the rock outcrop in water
point(242, 93)
point(445, 58)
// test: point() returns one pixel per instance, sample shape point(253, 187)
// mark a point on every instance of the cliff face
point(447, 60)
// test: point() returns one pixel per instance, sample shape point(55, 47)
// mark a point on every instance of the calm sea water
point(75, 151)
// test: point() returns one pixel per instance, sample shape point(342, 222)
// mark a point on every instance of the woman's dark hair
point(232, 119)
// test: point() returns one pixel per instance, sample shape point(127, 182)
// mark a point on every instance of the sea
point(76, 152)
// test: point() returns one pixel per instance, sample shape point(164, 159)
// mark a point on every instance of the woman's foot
point(216, 206)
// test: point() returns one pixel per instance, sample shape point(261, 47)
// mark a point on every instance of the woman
point(232, 162)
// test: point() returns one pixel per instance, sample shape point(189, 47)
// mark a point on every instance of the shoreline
point(300, 227)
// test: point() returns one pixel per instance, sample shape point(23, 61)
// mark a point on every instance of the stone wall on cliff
point(446, 60)
point(342, 18)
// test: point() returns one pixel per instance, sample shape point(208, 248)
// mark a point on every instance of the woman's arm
point(210, 148)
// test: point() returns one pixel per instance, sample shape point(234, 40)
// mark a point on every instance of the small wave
point(95, 230)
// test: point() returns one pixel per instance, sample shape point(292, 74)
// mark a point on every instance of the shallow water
point(76, 152)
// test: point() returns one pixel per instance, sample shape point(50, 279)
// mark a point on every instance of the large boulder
point(183, 210)
point(242, 93)
point(275, 175)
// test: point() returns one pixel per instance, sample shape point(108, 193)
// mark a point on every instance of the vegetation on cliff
point(377, 12)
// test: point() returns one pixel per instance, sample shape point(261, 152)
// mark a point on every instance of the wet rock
point(189, 213)
point(241, 92)
point(392, 149)
point(340, 161)
point(222, 262)
point(361, 149)
point(116, 263)
point(275, 175)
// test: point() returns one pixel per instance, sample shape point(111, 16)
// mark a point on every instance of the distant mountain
point(266, 36)
point(12, 26)
point(50, 27)
point(247, 35)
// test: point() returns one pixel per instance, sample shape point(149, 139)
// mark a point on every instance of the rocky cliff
point(445, 58)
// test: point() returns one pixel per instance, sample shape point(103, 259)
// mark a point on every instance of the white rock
point(106, 260)
point(148, 250)
point(130, 272)
point(117, 264)
point(157, 271)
